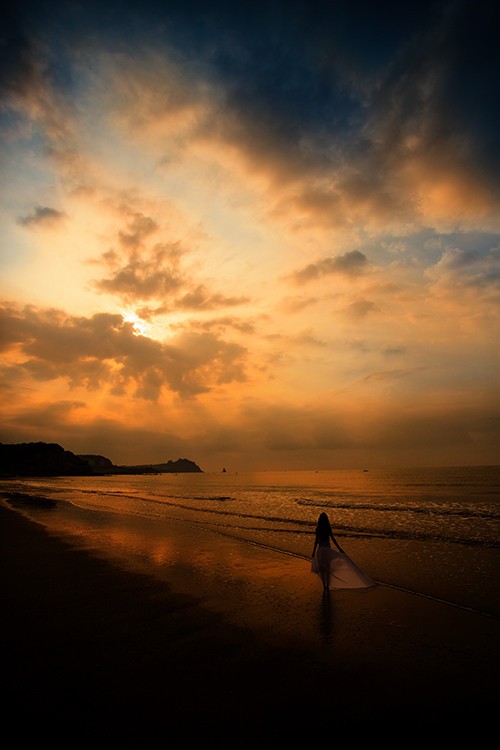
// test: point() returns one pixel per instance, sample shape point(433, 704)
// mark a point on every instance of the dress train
point(344, 573)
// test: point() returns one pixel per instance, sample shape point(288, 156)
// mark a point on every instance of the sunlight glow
point(140, 327)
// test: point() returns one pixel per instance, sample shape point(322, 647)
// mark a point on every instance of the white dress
point(344, 573)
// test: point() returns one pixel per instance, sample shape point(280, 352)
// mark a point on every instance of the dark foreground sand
point(96, 653)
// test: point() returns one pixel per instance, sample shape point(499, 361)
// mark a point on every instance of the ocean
point(432, 531)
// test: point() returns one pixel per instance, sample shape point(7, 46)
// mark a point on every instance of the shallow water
point(434, 531)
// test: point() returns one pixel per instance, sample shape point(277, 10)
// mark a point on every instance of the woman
point(335, 568)
point(322, 543)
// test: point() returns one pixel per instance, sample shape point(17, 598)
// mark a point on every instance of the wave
point(343, 530)
point(293, 525)
point(273, 524)
point(403, 508)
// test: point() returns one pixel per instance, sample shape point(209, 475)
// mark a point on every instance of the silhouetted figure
point(334, 567)
point(322, 544)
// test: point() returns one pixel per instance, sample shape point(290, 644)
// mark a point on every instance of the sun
point(140, 326)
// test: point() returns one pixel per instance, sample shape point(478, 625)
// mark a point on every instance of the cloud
point(350, 264)
point(200, 158)
point(153, 276)
point(41, 418)
point(142, 278)
point(355, 131)
point(139, 228)
point(102, 351)
point(73, 425)
point(34, 95)
point(221, 323)
point(200, 298)
point(297, 304)
point(143, 269)
point(421, 130)
point(383, 142)
point(468, 269)
point(42, 216)
point(394, 351)
point(333, 138)
point(403, 149)
point(397, 430)
point(360, 308)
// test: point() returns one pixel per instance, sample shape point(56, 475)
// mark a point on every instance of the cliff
point(51, 460)
point(181, 465)
point(98, 464)
point(40, 460)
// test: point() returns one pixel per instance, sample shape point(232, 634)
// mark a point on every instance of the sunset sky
point(256, 235)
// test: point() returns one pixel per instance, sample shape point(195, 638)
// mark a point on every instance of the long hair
point(323, 527)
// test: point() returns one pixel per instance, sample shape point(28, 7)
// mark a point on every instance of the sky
point(257, 235)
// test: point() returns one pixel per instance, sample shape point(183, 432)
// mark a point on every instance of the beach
point(100, 649)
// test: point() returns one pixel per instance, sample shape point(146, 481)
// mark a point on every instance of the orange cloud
point(351, 263)
point(103, 351)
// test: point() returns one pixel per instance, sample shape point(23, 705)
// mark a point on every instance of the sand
point(93, 651)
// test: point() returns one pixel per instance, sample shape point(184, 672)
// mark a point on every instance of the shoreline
point(255, 647)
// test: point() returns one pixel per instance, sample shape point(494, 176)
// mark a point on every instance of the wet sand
point(237, 652)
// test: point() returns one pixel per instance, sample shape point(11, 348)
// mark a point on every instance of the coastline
point(121, 654)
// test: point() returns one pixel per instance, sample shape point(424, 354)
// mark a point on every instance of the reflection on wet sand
point(326, 619)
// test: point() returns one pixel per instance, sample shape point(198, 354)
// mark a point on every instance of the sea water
point(434, 531)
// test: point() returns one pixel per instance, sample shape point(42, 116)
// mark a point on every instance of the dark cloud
point(304, 88)
point(359, 93)
point(350, 264)
point(291, 68)
point(431, 109)
point(471, 99)
point(468, 269)
point(42, 216)
point(35, 73)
